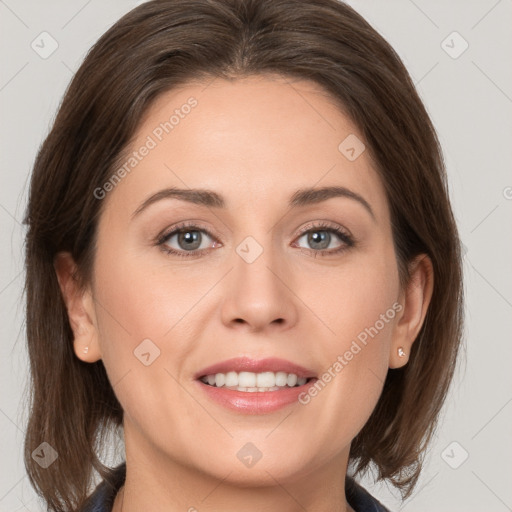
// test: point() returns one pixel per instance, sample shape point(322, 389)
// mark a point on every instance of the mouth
point(252, 386)
point(251, 382)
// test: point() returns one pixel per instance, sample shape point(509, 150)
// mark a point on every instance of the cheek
point(355, 307)
point(358, 307)
point(138, 310)
point(353, 299)
point(143, 302)
point(340, 403)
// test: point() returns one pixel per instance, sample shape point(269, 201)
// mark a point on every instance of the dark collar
point(102, 499)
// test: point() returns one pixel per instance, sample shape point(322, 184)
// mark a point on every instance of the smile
point(250, 382)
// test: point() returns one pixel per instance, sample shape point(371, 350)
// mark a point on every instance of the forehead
point(259, 138)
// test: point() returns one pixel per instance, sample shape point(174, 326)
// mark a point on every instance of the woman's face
point(258, 272)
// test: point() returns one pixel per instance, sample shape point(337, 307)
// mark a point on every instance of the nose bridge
point(257, 294)
point(254, 263)
point(256, 267)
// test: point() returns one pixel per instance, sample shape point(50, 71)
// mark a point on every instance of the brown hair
point(165, 43)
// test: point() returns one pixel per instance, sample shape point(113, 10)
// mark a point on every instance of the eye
point(191, 240)
point(186, 240)
point(325, 239)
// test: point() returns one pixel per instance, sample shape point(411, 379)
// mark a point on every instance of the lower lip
point(257, 402)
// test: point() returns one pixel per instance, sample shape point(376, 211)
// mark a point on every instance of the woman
point(241, 255)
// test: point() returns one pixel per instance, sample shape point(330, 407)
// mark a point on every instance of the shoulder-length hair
point(163, 44)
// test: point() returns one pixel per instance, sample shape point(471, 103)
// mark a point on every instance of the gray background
point(470, 100)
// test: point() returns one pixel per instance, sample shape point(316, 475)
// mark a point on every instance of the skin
point(255, 141)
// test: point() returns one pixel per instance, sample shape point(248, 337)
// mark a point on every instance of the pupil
point(191, 239)
point(317, 239)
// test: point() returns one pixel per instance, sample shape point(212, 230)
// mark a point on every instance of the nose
point(259, 294)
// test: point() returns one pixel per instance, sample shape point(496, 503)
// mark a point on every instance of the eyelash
point(344, 236)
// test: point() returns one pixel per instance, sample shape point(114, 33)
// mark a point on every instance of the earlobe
point(415, 299)
point(80, 309)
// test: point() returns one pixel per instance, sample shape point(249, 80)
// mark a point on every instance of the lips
point(246, 364)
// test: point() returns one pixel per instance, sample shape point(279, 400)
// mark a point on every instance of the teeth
point(266, 380)
point(231, 379)
point(292, 379)
point(246, 379)
point(220, 380)
point(252, 382)
point(281, 379)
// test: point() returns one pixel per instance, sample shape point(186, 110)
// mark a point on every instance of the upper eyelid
point(324, 225)
point(166, 233)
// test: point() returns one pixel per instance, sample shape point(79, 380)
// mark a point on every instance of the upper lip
point(246, 364)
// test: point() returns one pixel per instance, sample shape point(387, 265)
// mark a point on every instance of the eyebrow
point(209, 198)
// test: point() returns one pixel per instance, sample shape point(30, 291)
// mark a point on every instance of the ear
point(415, 300)
point(80, 308)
